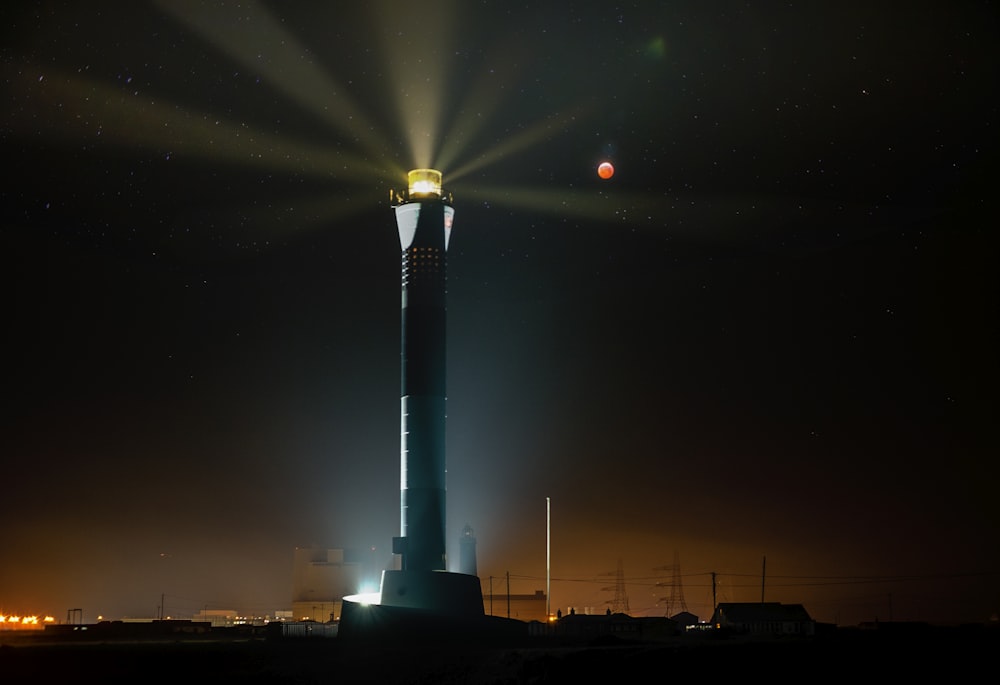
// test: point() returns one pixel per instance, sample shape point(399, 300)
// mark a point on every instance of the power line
point(806, 581)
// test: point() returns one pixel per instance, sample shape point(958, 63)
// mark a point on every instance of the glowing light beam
point(250, 31)
point(481, 102)
point(554, 125)
point(77, 108)
point(414, 43)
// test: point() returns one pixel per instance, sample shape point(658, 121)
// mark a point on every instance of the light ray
point(251, 32)
point(734, 218)
point(552, 126)
point(565, 202)
point(84, 109)
point(278, 218)
point(481, 102)
point(414, 42)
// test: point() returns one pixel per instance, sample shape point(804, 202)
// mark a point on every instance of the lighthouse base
point(439, 592)
point(426, 605)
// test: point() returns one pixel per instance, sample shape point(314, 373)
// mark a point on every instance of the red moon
point(605, 170)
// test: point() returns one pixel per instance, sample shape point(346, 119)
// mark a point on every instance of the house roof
point(684, 617)
point(755, 612)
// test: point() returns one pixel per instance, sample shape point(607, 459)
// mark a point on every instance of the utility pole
point(714, 602)
point(508, 594)
point(763, 573)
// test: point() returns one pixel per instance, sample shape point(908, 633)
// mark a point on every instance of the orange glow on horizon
point(15, 622)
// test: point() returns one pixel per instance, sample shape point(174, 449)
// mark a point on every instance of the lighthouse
point(424, 216)
point(421, 592)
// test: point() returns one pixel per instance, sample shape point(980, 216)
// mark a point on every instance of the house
point(621, 626)
point(684, 619)
point(769, 619)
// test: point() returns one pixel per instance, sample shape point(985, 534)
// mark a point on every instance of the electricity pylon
point(619, 605)
point(674, 603)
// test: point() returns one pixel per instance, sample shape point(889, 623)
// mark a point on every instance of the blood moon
point(605, 170)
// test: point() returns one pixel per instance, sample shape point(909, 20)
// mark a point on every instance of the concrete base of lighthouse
point(425, 605)
point(440, 592)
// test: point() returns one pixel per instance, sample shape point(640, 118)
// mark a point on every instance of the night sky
point(765, 348)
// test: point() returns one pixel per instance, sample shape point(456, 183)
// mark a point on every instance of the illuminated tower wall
point(423, 217)
point(421, 598)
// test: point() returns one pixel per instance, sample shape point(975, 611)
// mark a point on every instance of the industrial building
point(522, 607)
point(321, 578)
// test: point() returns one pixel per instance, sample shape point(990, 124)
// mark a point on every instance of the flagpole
point(548, 559)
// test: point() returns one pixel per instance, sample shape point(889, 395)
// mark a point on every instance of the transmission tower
point(619, 605)
point(674, 602)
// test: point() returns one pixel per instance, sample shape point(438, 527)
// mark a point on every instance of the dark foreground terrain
point(842, 654)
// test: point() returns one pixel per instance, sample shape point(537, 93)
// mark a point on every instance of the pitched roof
point(755, 612)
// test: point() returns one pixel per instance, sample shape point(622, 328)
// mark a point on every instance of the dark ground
point(843, 654)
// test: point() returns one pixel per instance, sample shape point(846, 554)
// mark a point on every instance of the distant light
point(606, 170)
point(365, 598)
point(26, 622)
